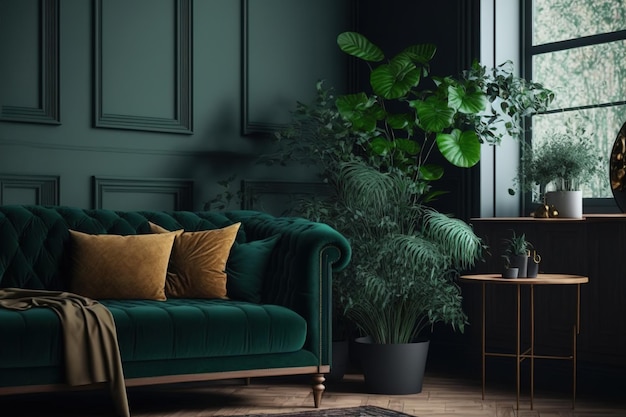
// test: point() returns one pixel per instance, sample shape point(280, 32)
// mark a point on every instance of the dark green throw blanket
point(91, 351)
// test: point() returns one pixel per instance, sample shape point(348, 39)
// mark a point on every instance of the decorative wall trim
point(253, 192)
point(183, 119)
point(45, 188)
point(132, 151)
point(248, 126)
point(48, 111)
point(180, 189)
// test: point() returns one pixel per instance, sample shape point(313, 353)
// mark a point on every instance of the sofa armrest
point(300, 270)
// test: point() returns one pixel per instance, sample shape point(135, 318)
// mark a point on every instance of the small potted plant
point(557, 165)
point(516, 254)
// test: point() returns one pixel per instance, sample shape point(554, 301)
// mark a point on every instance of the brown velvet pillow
point(116, 266)
point(197, 266)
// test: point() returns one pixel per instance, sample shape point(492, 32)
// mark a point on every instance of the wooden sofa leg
point(318, 389)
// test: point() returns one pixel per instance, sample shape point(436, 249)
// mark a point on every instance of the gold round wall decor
point(617, 169)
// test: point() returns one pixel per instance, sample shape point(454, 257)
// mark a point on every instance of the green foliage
point(406, 255)
point(376, 150)
point(447, 115)
point(563, 158)
point(511, 99)
point(226, 197)
point(515, 245)
point(317, 136)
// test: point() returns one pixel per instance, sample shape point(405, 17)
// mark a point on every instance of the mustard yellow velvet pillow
point(197, 266)
point(116, 266)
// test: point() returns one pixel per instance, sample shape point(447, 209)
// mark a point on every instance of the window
point(577, 48)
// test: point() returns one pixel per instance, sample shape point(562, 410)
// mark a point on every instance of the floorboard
point(442, 395)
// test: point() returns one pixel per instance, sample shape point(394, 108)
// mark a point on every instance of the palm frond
point(364, 186)
point(418, 252)
point(456, 238)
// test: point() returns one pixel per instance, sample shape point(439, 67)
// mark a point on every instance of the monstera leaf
point(433, 114)
point(357, 45)
point(461, 149)
point(395, 79)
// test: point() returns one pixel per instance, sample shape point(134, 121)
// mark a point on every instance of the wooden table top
point(541, 279)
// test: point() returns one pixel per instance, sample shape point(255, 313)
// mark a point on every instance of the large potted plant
point(559, 163)
point(376, 150)
point(403, 280)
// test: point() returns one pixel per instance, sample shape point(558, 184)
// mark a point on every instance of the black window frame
point(528, 50)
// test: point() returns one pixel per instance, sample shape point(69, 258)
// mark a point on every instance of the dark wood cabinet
point(595, 247)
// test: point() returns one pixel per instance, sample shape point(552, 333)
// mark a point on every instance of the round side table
point(519, 355)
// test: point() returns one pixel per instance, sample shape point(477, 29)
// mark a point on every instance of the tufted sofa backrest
point(34, 239)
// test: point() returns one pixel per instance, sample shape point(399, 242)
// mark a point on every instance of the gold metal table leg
point(576, 332)
point(517, 349)
point(483, 336)
point(532, 345)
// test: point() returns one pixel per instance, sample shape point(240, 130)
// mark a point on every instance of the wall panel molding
point(286, 48)
point(182, 120)
point(42, 189)
point(249, 126)
point(109, 191)
point(47, 111)
point(279, 197)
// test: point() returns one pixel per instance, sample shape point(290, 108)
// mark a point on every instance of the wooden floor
point(442, 395)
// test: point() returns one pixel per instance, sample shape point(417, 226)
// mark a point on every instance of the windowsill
point(586, 217)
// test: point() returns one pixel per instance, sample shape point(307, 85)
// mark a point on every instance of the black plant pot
point(533, 268)
point(392, 369)
point(340, 360)
point(521, 262)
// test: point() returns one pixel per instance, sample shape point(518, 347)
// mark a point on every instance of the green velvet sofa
point(287, 331)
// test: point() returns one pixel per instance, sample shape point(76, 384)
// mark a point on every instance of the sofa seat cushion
point(194, 328)
point(156, 330)
point(30, 338)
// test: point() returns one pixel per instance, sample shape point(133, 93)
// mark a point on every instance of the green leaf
point(399, 121)
point(381, 146)
point(348, 104)
point(396, 79)
point(422, 53)
point(431, 172)
point(408, 146)
point(431, 196)
point(360, 110)
point(460, 148)
point(433, 114)
point(464, 102)
point(357, 45)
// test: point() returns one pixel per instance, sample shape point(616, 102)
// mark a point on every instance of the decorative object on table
point(544, 211)
point(567, 203)
point(556, 167)
point(510, 272)
point(516, 253)
point(617, 169)
point(533, 264)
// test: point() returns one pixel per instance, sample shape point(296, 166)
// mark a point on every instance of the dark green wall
point(141, 90)
point(131, 104)
point(454, 27)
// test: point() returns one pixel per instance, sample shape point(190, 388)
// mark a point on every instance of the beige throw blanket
point(91, 351)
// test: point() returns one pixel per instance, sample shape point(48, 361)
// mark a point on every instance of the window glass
point(558, 20)
point(602, 126)
point(581, 76)
point(588, 77)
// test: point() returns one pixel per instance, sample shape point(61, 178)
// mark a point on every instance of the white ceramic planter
point(567, 203)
